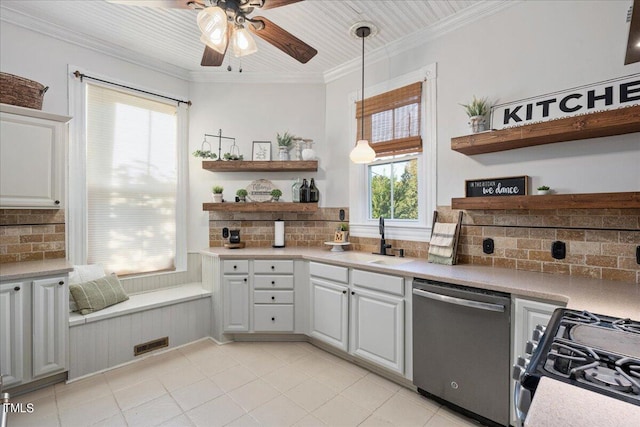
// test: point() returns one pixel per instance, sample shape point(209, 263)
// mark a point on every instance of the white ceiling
point(168, 39)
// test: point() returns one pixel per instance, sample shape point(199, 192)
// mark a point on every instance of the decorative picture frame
point(504, 186)
point(261, 150)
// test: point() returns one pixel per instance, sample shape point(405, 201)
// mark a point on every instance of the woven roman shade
point(392, 121)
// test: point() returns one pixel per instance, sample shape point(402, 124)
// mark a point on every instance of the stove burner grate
point(627, 325)
point(580, 317)
point(603, 376)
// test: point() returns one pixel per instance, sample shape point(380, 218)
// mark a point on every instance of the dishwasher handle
point(460, 301)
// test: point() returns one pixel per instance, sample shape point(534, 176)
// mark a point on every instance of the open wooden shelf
point(594, 125)
point(260, 207)
point(630, 200)
point(260, 166)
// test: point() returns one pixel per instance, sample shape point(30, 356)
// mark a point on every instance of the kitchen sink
point(389, 261)
point(373, 259)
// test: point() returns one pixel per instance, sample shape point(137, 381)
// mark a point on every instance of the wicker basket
point(16, 90)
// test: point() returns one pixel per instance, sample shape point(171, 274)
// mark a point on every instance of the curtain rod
point(81, 76)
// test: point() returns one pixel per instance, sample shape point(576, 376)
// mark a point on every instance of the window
point(393, 189)
point(131, 181)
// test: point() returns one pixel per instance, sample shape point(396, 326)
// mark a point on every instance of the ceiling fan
point(224, 22)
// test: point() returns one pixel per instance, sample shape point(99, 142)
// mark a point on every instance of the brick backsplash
point(31, 234)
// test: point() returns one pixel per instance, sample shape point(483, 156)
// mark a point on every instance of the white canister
point(278, 241)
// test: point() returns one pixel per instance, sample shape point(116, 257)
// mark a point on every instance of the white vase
point(477, 123)
point(308, 153)
point(283, 154)
point(217, 197)
point(543, 192)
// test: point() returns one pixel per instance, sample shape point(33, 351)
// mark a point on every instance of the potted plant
point(242, 194)
point(217, 193)
point(275, 194)
point(477, 110)
point(342, 233)
point(543, 189)
point(285, 141)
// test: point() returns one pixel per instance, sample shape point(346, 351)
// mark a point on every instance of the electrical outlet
point(638, 254)
point(488, 246)
point(225, 233)
point(558, 250)
point(341, 214)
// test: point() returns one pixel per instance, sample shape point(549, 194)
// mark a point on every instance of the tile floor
point(238, 384)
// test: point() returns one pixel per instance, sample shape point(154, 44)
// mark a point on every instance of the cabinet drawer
point(273, 282)
point(273, 317)
point(231, 266)
point(331, 272)
point(379, 282)
point(273, 297)
point(273, 266)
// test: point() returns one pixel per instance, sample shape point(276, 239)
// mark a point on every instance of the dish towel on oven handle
point(442, 242)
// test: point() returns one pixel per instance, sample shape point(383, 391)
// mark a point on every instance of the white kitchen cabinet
point(273, 296)
point(11, 332)
point(32, 158)
point(330, 312)
point(50, 326)
point(235, 294)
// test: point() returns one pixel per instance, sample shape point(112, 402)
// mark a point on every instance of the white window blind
point(132, 179)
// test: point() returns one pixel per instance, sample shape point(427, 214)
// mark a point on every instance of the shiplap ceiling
point(168, 39)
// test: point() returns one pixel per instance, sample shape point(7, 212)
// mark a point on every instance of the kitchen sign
point(509, 186)
point(608, 95)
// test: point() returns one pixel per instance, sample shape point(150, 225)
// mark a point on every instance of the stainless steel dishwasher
point(461, 348)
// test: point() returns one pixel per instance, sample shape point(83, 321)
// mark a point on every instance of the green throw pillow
point(97, 294)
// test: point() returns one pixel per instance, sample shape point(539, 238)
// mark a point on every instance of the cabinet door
point(50, 325)
point(235, 291)
point(377, 328)
point(11, 330)
point(329, 312)
point(28, 180)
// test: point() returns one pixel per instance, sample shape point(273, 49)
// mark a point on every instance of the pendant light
point(362, 152)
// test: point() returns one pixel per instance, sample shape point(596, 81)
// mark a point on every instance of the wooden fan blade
point(283, 40)
point(211, 58)
point(180, 4)
point(272, 4)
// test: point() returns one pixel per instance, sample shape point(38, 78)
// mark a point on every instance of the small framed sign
point(261, 150)
point(507, 186)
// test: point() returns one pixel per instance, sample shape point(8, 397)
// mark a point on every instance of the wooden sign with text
point(507, 186)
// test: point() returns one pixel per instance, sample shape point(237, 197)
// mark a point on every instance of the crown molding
point(40, 26)
point(471, 14)
point(224, 76)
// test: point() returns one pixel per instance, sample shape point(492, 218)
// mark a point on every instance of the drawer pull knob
point(17, 288)
point(235, 267)
point(353, 293)
point(273, 319)
point(344, 292)
point(57, 202)
point(60, 283)
point(245, 279)
point(273, 298)
point(273, 282)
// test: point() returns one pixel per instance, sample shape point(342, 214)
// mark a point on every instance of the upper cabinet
point(32, 158)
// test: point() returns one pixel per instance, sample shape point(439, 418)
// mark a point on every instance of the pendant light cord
point(362, 103)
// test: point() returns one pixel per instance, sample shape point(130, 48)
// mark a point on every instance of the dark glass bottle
point(314, 194)
point(304, 192)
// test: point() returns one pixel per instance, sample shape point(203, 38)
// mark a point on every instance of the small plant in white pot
point(217, 193)
point(275, 194)
point(285, 142)
point(543, 189)
point(477, 111)
point(242, 194)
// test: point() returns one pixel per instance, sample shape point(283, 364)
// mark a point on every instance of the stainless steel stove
point(596, 352)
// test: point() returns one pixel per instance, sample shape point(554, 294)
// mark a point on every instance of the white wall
point(251, 112)
point(529, 49)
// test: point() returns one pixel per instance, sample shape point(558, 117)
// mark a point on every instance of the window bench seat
point(106, 338)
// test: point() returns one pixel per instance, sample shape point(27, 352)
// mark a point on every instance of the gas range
point(596, 352)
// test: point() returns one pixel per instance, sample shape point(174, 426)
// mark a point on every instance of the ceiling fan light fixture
point(242, 41)
point(212, 22)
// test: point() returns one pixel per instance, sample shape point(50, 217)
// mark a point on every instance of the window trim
point(76, 212)
point(360, 225)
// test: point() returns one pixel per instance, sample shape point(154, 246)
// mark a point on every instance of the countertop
point(607, 297)
point(560, 404)
point(23, 270)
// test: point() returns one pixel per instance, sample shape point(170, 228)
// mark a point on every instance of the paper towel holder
point(278, 229)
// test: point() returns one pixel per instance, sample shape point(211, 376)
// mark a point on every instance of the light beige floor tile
point(31, 420)
point(312, 364)
point(460, 419)
point(127, 375)
point(278, 412)
point(374, 421)
point(153, 413)
point(341, 411)
point(285, 378)
point(174, 379)
point(215, 362)
point(311, 394)
point(338, 378)
point(81, 391)
point(264, 364)
point(36, 412)
point(244, 421)
point(196, 394)
point(180, 421)
point(403, 411)
point(309, 421)
point(216, 412)
point(90, 412)
point(419, 399)
point(440, 421)
point(367, 394)
point(200, 351)
point(287, 352)
point(115, 421)
point(389, 385)
point(233, 378)
point(34, 395)
point(139, 393)
point(253, 394)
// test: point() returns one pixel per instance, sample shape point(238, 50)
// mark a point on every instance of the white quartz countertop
point(607, 297)
point(23, 270)
point(559, 404)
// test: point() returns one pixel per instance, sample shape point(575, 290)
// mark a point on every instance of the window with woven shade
point(392, 121)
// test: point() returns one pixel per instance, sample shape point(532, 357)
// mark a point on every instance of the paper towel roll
point(279, 234)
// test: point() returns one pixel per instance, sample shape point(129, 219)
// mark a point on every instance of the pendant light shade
point(242, 42)
point(212, 22)
point(362, 152)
